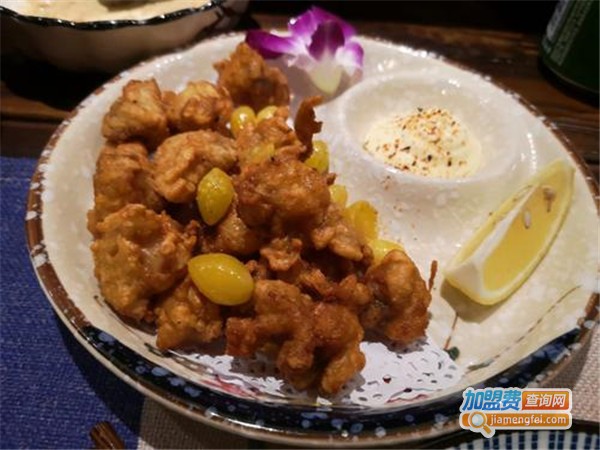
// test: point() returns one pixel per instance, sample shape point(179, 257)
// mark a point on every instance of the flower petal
point(326, 40)
point(269, 45)
point(350, 56)
point(304, 62)
point(303, 26)
point(320, 16)
point(319, 43)
point(326, 75)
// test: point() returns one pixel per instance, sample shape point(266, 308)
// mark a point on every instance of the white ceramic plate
point(403, 394)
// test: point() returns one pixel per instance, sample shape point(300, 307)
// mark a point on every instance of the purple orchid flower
point(319, 42)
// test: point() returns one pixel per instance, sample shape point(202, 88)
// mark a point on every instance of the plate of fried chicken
point(189, 226)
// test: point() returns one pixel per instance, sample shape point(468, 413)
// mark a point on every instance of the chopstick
point(104, 436)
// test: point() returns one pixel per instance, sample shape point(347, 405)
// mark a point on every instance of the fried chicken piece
point(283, 315)
point(315, 343)
point(139, 253)
point(353, 294)
point(182, 160)
point(273, 130)
point(201, 105)
point(282, 253)
point(259, 269)
point(329, 284)
point(310, 279)
point(184, 213)
point(336, 234)
point(251, 81)
point(401, 299)
point(305, 123)
point(333, 266)
point(288, 143)
point(123, 175)
point(280, 193)
point(185, 318)
point(232, 236)
point(139, 114)
point(338, 335)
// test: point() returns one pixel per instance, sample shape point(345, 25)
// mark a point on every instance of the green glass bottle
point(570, 46)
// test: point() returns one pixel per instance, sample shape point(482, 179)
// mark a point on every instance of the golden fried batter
point(280, 193)
point(339, 236)
point(139, 253)
point(401, 299)
point(353, 294)
point(182, 160)
point(288, 143)
point(283, 315)
point(317, 343)
point(123, 175)
point(139, 114)
point(325, 280)
point(259, 269)
point(334, 267)
point(185, 318)
point(184, 213)
point(309, 279)
point(232, 236)
point(338, 335)
point(305, 123)
point(282, 253)
point(316, 287)
point(252, 82)
point(201, 105)
point(273, 130)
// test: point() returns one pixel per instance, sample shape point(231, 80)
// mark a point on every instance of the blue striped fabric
point(552, 440)
point(521, 440)
point(52, 390)
point(530, 439)
point(588, 441)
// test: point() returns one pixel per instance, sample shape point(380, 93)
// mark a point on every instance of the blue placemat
point(52, 391)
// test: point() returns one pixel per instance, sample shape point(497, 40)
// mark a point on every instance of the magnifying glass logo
point(479, 420)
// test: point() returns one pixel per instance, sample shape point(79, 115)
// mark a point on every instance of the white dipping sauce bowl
point(422, 208)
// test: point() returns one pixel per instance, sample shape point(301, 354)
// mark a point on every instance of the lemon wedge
point(503, 253)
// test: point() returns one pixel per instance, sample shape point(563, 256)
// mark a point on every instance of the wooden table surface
point(35, 97)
